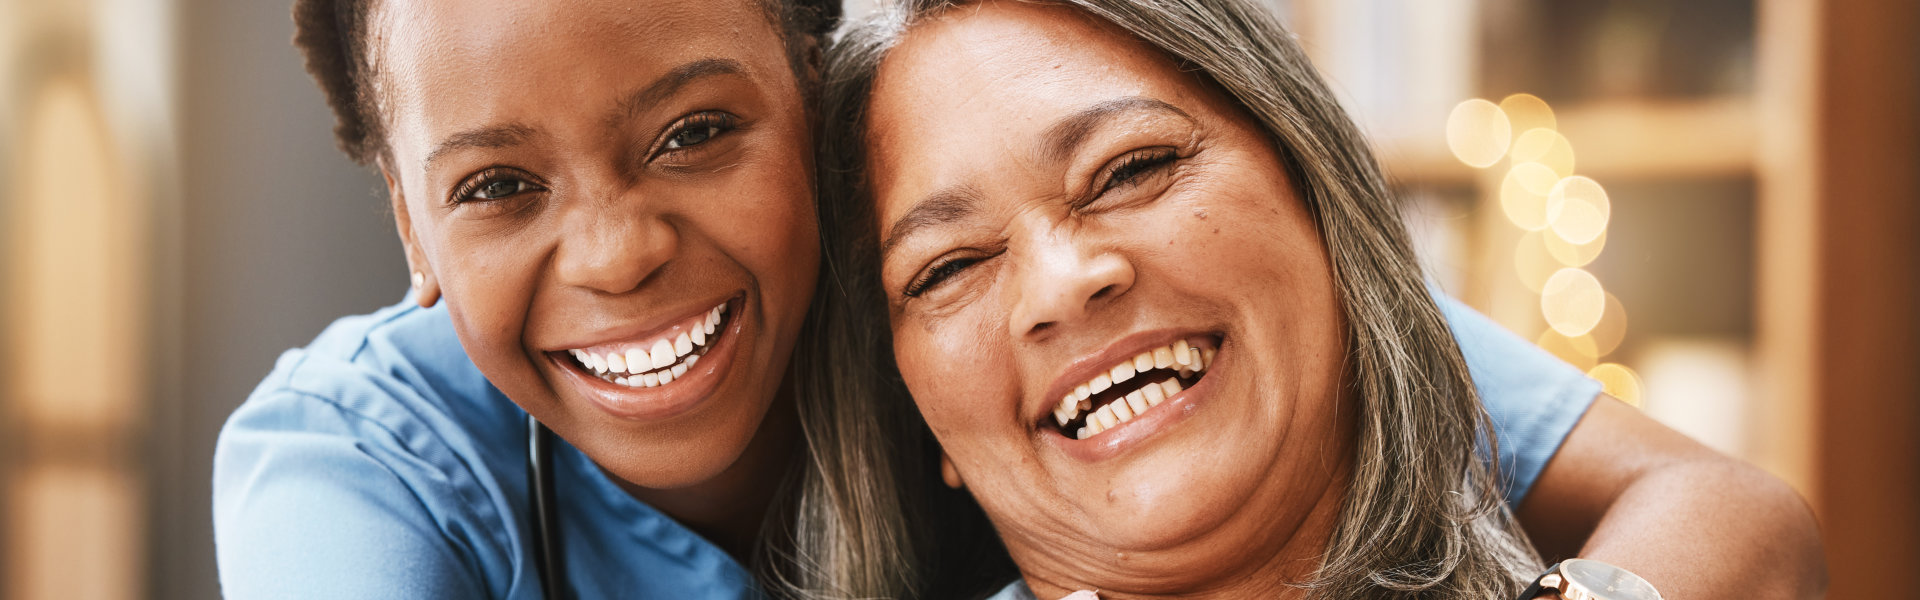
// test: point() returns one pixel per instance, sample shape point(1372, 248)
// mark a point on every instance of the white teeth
point(713, 322)
point(650, 379)
point(599, 362)
point(616, 363)
point(661, 354)
point(637, 360)
point(580, 355)
point(691, 360)
point(620, 381)
point(1180, 357)
point(666, 377)
point(700, 336)
point(682, 345)
point(1099, 384)
point(1153, 394)
point(679, 369)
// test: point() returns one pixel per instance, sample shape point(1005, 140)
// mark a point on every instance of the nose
point(614, 245)
point(1064, 282)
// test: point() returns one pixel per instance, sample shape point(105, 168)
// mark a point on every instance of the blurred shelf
point(1636, 139)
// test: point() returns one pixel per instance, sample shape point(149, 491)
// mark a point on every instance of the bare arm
point(1698, 524)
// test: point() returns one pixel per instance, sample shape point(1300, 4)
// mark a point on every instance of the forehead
point(451, 64)
point(982, 83)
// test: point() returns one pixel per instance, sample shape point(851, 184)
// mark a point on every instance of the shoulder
point(1534, 398)
point(377, 448)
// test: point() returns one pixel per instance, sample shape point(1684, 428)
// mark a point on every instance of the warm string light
point(1565, 219)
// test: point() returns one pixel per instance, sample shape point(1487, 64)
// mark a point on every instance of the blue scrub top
point(377, 462)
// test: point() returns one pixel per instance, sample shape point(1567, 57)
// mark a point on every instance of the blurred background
point(1708, 204)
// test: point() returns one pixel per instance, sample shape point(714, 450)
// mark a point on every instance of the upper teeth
point(1180, 357)
point(656, 362)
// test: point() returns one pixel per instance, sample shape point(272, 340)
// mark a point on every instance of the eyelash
point(939, 272)
point(1129, 170)
point(714, 123)
point(468, 190)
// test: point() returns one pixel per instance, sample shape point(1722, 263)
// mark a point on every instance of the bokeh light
point(1523, 194)
point(1612, 328)
point(1579, 351)
point(1572, 301)
point(1532, 262)
point(1527, 111)
point(1478, 133)
point(1618, 381)
point(1578, 209)
point(1571, 254)
point(1544, 146)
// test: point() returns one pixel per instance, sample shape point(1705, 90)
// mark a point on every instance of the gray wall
point(277, 235)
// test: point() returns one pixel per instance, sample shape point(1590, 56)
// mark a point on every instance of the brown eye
point(500, 188)
point(494, 184)
point(698, 129)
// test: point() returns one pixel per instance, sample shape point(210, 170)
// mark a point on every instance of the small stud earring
point(418, 280)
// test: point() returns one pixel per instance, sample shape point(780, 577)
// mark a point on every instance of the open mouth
point(1132, 388)
point(658, 362)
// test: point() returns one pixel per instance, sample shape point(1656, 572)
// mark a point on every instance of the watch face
point(1602, 581)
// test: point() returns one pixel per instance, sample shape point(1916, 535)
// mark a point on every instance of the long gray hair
point(1422, 517)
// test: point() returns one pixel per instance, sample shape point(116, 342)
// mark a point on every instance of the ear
point(950, 474)
point(426, 288)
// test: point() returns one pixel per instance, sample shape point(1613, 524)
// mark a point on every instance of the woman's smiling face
point(1061, 211)
point(615, 200)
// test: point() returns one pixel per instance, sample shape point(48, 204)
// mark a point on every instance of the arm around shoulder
point(1698, 524)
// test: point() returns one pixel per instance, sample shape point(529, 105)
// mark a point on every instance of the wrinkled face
point(614, 197)
point(1107, 300)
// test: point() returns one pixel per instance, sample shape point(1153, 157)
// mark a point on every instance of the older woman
point(1149, 291)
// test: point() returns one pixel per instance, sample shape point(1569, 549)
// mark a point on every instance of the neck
point(1263, 574)
point(731, 508)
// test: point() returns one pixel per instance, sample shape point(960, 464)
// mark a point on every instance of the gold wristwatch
point(1582, 579)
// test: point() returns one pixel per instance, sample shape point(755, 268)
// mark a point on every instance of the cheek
point(955, 379)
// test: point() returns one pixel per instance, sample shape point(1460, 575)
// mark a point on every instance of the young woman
point(1148, 288)
point(607, 209)
point(575, 182)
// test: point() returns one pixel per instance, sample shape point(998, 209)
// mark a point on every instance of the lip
point(667, 401)
point(1087, 367)
point(1126, 436)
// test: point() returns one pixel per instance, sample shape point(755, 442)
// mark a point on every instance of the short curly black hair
point(332, 36)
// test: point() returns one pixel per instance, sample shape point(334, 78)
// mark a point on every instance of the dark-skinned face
point(1109, 303)
point(614, 198)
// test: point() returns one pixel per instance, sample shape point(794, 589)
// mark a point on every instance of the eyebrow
point(942, 207)
point(958, 202)
point(496, 136)
point(667, 85)
point(1067, 134)
point(514, 134)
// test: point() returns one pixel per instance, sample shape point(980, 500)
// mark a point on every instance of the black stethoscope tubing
point(546, 529)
